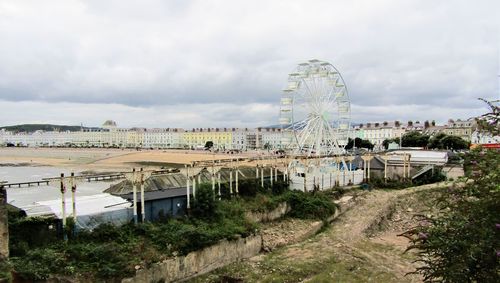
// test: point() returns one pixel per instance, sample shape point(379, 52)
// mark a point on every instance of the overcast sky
point(223, 63)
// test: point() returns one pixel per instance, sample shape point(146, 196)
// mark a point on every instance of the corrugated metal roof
point(179, 180)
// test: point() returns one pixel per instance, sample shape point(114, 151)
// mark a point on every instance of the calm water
point(26, 196)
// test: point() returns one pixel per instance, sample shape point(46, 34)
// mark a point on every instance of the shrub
point(29, 232)
point(204, 204)
point(309, 205)
point(463, 245)
point(38, 264)
point(5, 269)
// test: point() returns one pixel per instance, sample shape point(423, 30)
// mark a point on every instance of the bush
point(204, 204)
point(38, 264)
point(463, 245)
point(5, 269)
point(310, 205)
point(29, 232)
point(250, 188)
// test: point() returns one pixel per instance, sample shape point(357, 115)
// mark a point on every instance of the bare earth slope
point(360, 246)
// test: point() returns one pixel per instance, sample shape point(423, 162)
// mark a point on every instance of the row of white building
point(377, 132)
point(109, 135)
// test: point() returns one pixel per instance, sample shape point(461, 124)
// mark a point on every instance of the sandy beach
point(103, 159)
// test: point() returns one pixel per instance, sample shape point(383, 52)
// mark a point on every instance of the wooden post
point(213, 183)
point(188, 193)
point(285, 172)
point(194, 187)
point(73, 191)
point(271, 172)
point(409, 167)
point(369, 167)
point(236, 184)
point(343, 174)
point(143, 202)
point(322, 182)
point(337, 176)
point(404, 166)
point(231, 181)
point(275, 173)
point(63, 204)
point(305, 180)
point(352, 172)
point(262, 176)
point(218, 183)
point(385, 168)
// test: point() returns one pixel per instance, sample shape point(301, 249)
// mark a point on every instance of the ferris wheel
point(315, 110)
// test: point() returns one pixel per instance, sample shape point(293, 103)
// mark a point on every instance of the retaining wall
point(199, 262)
point(280, 211)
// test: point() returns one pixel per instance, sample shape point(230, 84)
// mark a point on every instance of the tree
point(359, 143)
point(490, 122)
point(454, 142)
point(267, 146)
point(462, 243)
point(209, 144)
point(435, 141)
point(386, 142)
point(444, 141)
point(205, 203)
point(415, 139)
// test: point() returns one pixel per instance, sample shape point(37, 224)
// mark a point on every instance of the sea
point(27, 196)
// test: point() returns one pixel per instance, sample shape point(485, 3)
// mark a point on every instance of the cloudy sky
point(223, 63)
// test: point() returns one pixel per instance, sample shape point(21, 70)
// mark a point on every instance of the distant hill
point(29, 128)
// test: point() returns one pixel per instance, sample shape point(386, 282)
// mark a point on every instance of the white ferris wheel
point(315, 110)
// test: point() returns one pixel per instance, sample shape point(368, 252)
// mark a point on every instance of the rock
point(409, 209)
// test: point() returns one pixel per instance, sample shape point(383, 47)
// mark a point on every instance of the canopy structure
point(91, 210)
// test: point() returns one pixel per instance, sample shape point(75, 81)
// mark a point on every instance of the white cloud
point(183, 115)
point(140, 57)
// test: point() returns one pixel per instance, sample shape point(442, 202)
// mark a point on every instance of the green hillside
point(45, 127)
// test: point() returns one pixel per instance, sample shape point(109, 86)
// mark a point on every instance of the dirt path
point(360, 246)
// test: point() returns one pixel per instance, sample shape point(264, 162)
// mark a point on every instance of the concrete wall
point(280, 211)
point(453, 171)
point(199, 262)
point(396, 172)
point(4, 228)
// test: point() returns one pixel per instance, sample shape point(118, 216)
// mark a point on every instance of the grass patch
point(113, 252)
point(275, 267)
